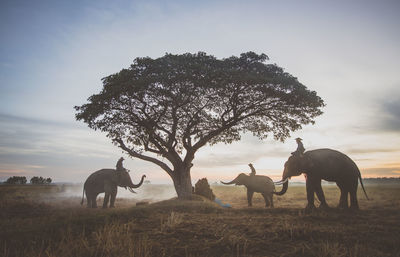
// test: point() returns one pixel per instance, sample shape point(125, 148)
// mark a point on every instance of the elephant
point(255, 183)
point(107, 181)
point(329, 165)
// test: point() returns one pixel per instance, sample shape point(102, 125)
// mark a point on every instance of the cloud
point(391, 115)
point(385, 112)
point(9, 170)
point(27, 134)
point(388, 169)
point(29, 146)
point(249, 149)
point(60, 150)
point(370, 150)
point(381, 171)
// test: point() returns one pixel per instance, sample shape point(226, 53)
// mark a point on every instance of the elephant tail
point(83, 196)
point(362, 185)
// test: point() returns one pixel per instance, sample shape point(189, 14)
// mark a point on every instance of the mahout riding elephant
point(329, 165)
point(256, 183)
point(107, 181)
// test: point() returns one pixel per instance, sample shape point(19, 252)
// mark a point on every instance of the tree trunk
point(183, 183)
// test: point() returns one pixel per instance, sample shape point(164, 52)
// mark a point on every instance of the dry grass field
point(42, 221)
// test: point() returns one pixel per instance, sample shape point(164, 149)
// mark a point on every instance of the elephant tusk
point(281, 182)
point(131, 190)
point(229, 183)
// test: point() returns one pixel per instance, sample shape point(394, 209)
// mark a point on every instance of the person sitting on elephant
point(300, 148)
point(253, 170)
point(119, 165)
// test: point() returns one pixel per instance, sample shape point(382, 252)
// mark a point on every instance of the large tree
point(164, 110)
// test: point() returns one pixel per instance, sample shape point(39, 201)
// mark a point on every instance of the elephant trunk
point(229, 183)
point(284, 182)
point(140, 183)
point(284, 187)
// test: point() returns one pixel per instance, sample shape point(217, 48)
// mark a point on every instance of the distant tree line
point(16, 180)
point(382, 180)
point(40, 180)
point(21, 180)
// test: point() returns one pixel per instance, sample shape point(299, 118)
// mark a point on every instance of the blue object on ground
point(224, 205)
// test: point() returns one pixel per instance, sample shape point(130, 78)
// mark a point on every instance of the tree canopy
point(16, 180)
point(40, 180)
point(174, 105)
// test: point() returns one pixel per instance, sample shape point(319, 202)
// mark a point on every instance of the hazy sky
point(53, 55)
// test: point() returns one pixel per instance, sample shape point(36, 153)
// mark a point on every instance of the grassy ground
point(42, 221)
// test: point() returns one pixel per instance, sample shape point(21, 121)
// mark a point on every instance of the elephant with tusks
point(329, 165)
point(107, 181)
point(258, 184)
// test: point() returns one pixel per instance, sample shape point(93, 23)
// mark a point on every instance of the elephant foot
point(324, 206)
point(343, 206)
point(309, 208)
point(354, 208)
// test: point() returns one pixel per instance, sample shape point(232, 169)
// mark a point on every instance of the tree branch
point(143, 157)
point(229, 124)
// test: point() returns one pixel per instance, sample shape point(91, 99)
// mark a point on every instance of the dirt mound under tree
point(203, 188)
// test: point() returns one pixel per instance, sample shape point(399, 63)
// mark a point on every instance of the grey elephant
point(256, 183)
point(107, 181)
point(329, 165)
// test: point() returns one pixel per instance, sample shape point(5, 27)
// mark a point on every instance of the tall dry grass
point(41, 221)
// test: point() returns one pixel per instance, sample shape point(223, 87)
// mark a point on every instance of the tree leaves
point(175, 104)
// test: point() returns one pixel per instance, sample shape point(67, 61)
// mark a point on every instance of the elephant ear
point(116, 177)
point(306, 162)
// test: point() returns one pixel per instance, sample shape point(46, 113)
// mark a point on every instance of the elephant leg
point(89, 200)
point(353, 200)
point(94, 201)
point(106, 199)
point(353, 185)
point(113, 196)
point(321, 196)
point(343, 202)
point(271, 200)
point(310, 186)
point(266, 199)
point(249, 197)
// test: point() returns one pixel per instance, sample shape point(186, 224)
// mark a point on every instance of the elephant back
point(98, 177)
point(333, 162)
point(263, 183)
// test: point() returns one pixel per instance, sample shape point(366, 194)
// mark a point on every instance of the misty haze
point(199, 128)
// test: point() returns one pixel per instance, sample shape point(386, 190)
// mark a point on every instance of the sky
point(53, 55)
